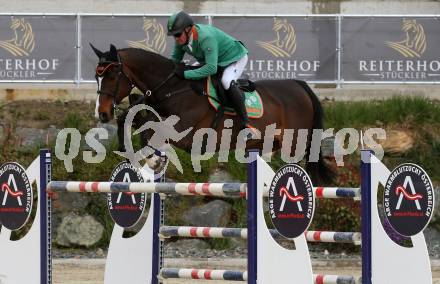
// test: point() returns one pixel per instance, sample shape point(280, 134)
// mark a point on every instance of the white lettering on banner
point(399, 69)
point(22, 74)
point(29, 68)
point(283, 65)
point(281, 69)
point(399, 65)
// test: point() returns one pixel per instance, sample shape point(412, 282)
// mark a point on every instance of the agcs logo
point(408, 199)
point(154, 40)
point(291, 201)
point(414, 43)
point(15, 196)
point(23, 41)
point(284, 44)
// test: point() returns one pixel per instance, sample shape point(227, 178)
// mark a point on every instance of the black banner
point(149, 33)
point(38, 48)
point(286, 47)
point(390, 49)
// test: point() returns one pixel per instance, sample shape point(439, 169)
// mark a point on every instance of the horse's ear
point(112, 48)
point(98, 53)
point(113, 52)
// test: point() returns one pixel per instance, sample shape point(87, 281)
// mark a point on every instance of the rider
point(213, 48)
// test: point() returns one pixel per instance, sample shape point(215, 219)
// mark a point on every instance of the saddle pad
point(253, 102)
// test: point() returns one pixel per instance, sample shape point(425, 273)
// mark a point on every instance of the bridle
point(104, 65)
point(102, 68)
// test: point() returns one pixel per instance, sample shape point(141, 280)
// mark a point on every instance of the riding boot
point(237, 98)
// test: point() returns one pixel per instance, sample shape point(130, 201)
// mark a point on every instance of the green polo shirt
point(211, 47)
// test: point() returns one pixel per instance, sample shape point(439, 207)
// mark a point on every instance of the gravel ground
point(87, 267)
point(91, 271)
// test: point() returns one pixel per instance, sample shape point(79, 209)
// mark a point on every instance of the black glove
point(180, 70)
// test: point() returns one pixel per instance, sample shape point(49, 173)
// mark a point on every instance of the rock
point(111, 129)
point(100, 253)
point(432, 237)
point(436, 217)
point(69, 201)
point(66, 203)
point(238, 243)
point(220, 175)
point(112, 132)
point(189, 248)
point(188, 244)
point(328, 147)
point(2, 134)
point(213, 214)
point(77, 230)
point(33, 137)
point(397, 142)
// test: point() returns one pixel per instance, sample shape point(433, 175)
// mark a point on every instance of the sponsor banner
point(38, 48)
point(16, 196)
point(149, 33)
point(126, 208)
point(408, 199)
point(286, 47)
point(390, 49)
point(291, 201)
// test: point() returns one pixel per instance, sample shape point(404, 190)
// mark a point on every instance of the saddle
point(212, 88)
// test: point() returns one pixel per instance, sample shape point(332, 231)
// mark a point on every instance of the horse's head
point(154, 35)
point(285, 33)
point(24, 37)
point(113, 83)
point(415, 35)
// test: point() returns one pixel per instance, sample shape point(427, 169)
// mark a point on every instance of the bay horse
point(291, 104)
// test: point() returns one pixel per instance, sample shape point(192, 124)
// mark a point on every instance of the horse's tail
point(320, 171)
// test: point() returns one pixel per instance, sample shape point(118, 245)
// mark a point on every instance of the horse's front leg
point(120, 120)
point(154, 159)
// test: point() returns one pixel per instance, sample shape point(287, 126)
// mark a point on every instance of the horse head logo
point(154, 40)
point(284, 44)
point(414, 42)
point(23, 42)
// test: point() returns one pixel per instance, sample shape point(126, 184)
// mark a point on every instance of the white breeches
point(233, 72)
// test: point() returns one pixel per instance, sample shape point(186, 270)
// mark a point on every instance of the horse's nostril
point(103, 117)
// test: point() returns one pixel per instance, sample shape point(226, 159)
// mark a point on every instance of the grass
point(396, 110)
point(41, 115)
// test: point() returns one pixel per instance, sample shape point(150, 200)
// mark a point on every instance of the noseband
point(100, 72)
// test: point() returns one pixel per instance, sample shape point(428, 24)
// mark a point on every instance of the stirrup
point(252, 133)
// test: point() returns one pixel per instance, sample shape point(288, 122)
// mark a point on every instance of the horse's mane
point(144, 57)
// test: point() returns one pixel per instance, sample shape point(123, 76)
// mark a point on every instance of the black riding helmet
point(178, 22)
